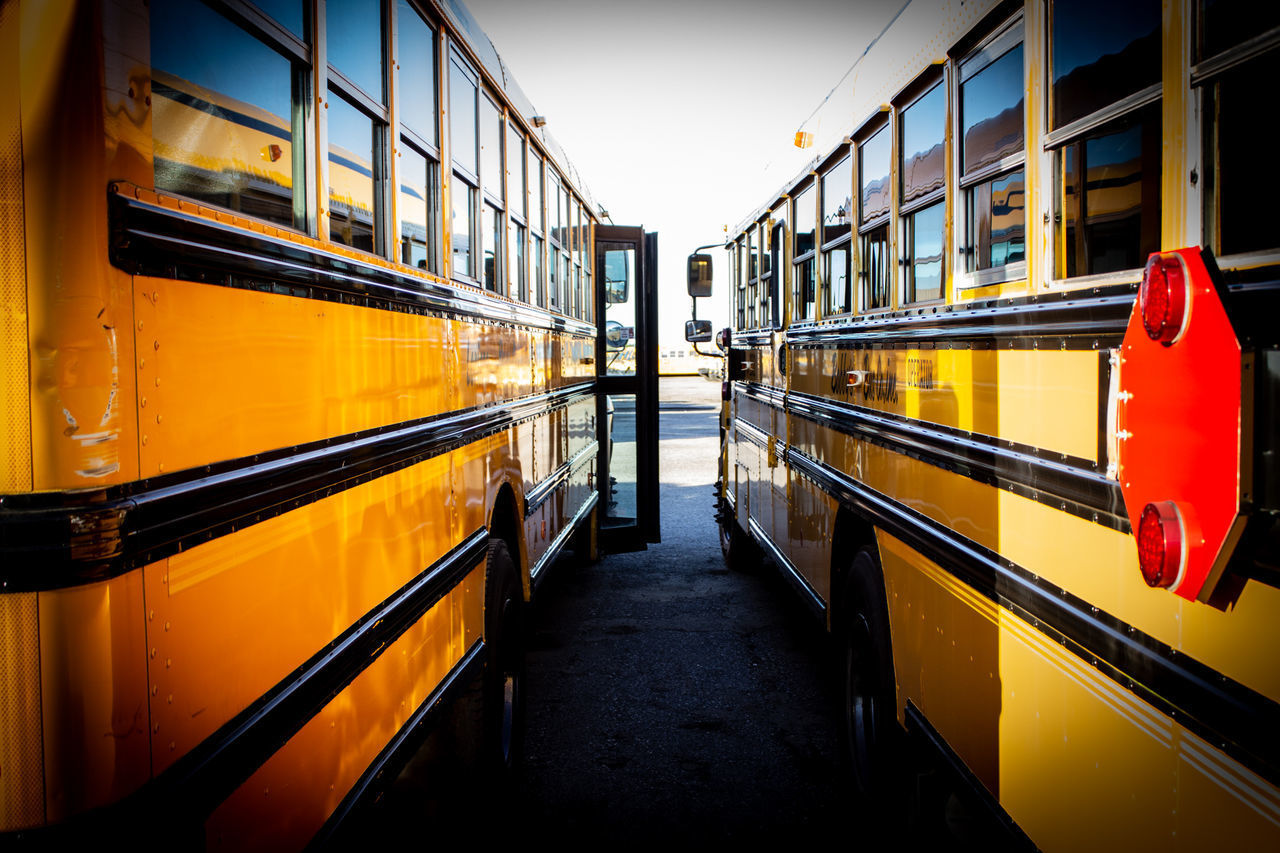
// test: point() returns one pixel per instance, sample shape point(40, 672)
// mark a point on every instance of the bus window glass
point(1109, 193)
point(804, 274)
point(287, 13)
point(535, 190)
point(997, 220)
point(837, 186)
point(462, 198)
point(873, 270)
point(835, 280)
point(874, 161)
point(223, 116)
point(491, 228)
point(462, 125)
point(992, 97)
point(923, 238)
point(351, 177)
point(519, 287)
point(923, 127)
point(991, 112)
point(619, 266)
point(1230, 23)
point(354, 30)
point(537, 264)
point(417, 59)
point(1238, 193)
point(491, 125)
point(416, 200)
point(1094, 65)
point(515, 170)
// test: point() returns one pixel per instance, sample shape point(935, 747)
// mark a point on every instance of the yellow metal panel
point(225, 373)
point(289, 798)
point(21, 745)
point(15, 395)
point(1041, 398)
point(80, 319)
point(946, 655)
point(235, 616)
point(1055, 739)
point(1050, 399)
point(94, 672)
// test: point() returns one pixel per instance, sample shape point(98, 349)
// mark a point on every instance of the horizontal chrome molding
point(789, 570)
point(1233, 717)
point(547, 487)
point(1076, 486)
point(537, 571)
point(50, 540)
point(174, 804)
point(148, 239)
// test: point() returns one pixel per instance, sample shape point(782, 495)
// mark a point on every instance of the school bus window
point(1096, 66)
point(354, 176)
point(837, 202)
point(992, 154)
point(416, 56)
point(463, 148)
point(491, 230)
point(228, 115)
point(874, 167)
point(1237, 193)
point(287, 13)
point(418, 193)
point(775, 257)
point(922, 164)
point(354, 40)
point(803, 281)
point(1109, 196)
point(517, 194)
point(537, 265)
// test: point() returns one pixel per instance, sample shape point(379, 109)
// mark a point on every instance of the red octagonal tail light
point(1179, 428)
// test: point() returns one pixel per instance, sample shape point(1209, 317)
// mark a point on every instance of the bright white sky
point(680, 114)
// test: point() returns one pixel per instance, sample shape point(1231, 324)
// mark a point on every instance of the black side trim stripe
point(396, 754)
point(1091, 319)
point(168, 812)
point(1079, 490)
point(1013, 836)
point(807, 593)
point(537, 573)
point(547, 487)
point(54, 540)
point(1229, 715)
point(147, 239)
point(207, 775)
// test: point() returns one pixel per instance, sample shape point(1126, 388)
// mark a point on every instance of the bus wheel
point(867, 675)
point(494, 705)
point(741, 553)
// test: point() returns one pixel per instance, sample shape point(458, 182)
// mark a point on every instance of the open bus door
point(627, 373)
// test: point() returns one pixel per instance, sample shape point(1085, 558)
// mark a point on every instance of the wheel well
point(852, 534)
point(504, 524)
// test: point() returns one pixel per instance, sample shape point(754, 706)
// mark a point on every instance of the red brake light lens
point(1160, 544)
point(1163, 298)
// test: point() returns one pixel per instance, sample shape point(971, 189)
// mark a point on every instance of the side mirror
point(699, 276)
point(616, 335)
point(697, 331)
point(617, 276)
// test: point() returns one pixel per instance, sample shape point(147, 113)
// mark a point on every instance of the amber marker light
point(1160, 544)
point(1163, 298)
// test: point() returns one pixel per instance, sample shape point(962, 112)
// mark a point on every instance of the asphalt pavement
point(671, 700)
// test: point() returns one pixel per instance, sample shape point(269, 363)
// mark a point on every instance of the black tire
point(493, 710)
point(870, 733)
point(741, 553)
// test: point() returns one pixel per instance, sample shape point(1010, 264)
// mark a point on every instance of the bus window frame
point(880, 122)
point(904, 211)
point(827, 245)
point(810, 256)
point(1008, 34)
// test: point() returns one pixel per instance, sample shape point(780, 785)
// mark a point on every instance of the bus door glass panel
point(620, 311)
point(621, 502)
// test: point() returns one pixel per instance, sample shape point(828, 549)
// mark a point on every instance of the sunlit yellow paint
point(290, 797)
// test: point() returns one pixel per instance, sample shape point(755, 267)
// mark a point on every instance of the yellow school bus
point(299, 400)
point(1001, 400)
